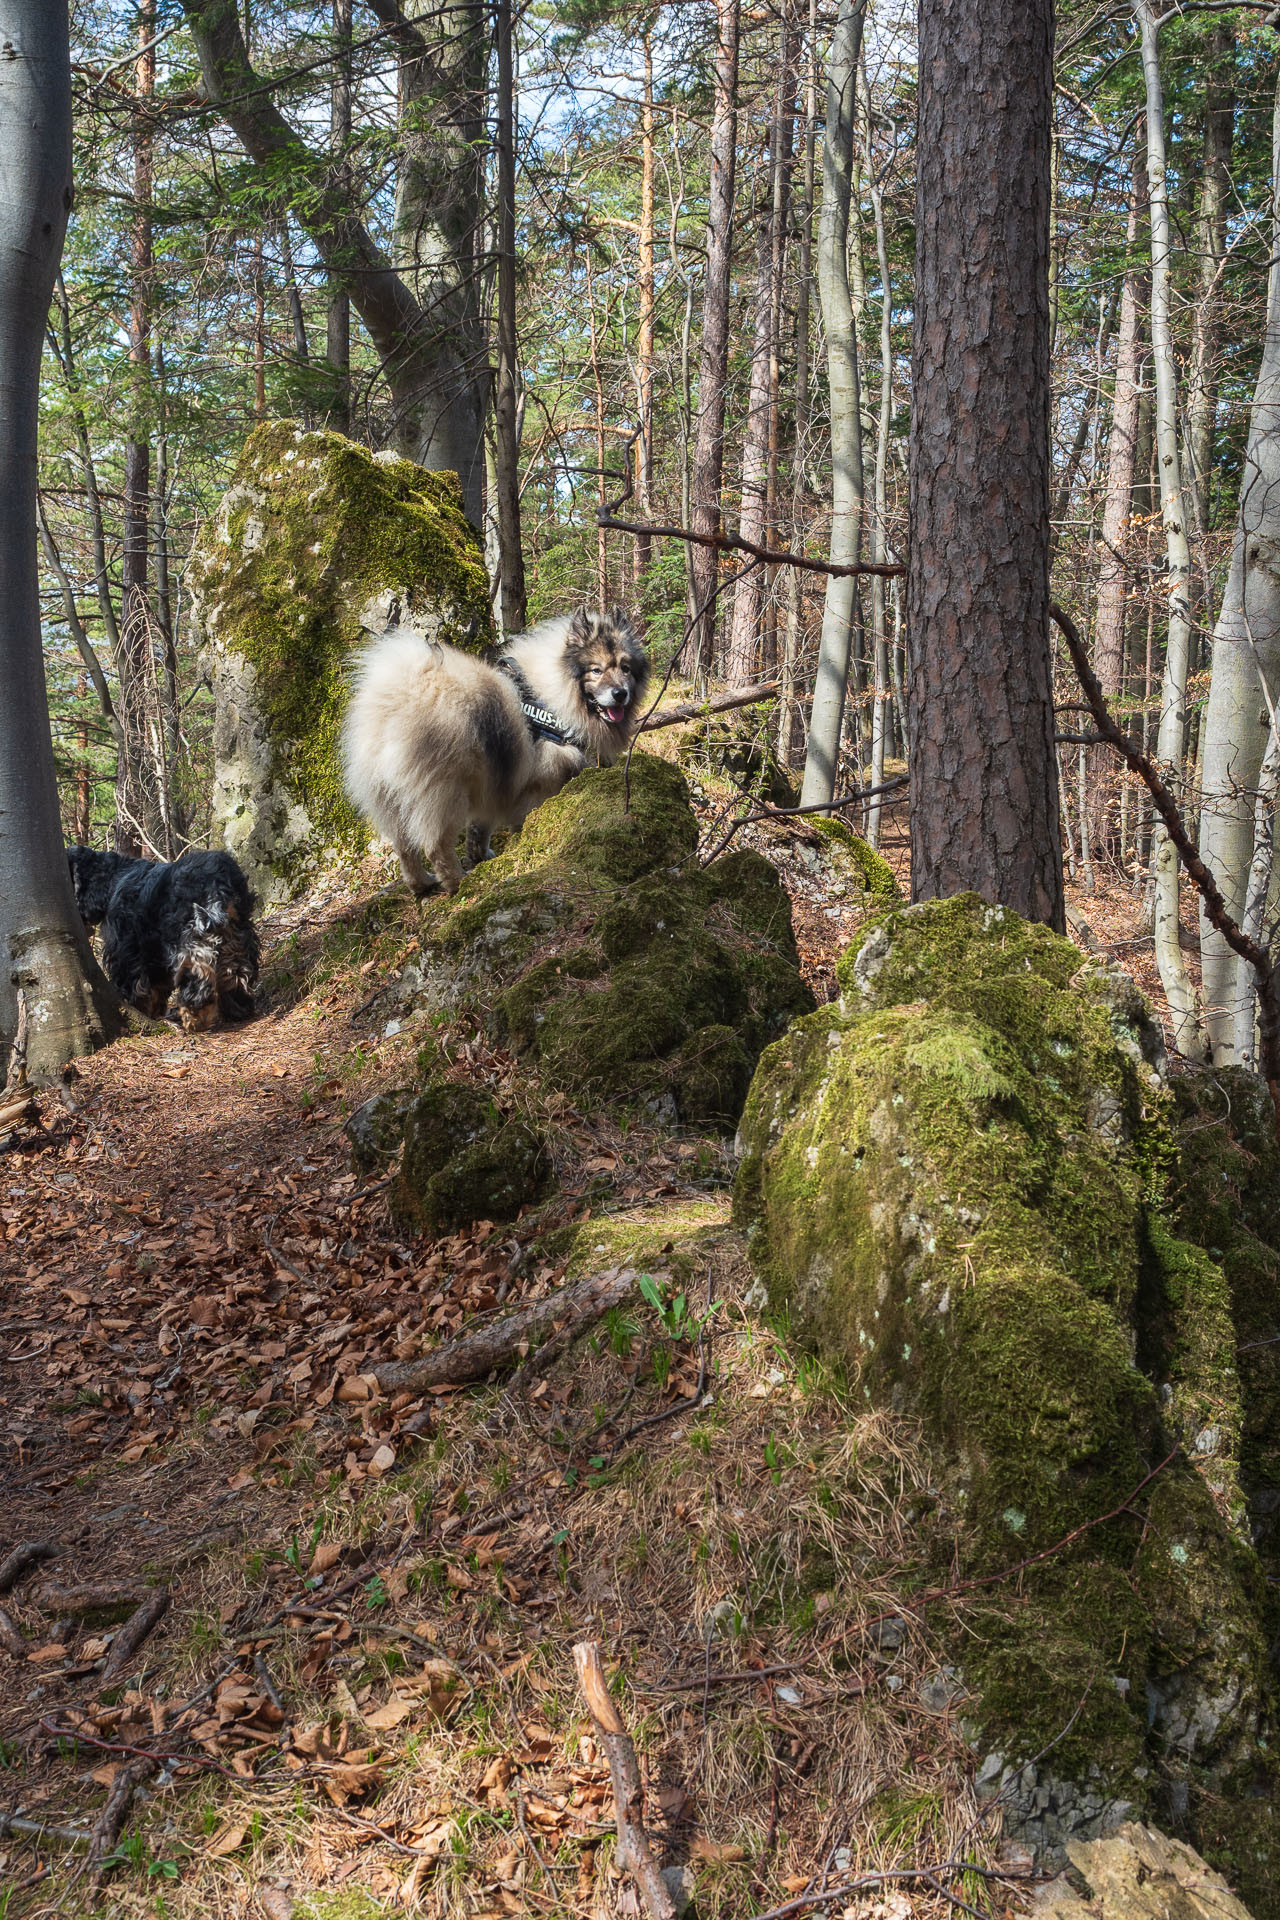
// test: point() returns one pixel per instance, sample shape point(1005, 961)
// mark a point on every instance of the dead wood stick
point(700, 709)
point(41, 1830)
point(474, 1355)
point(27, 1554)
point(80, 1600)
point(635, 1855)
point(134, 1631)
point(11, 1637)
point(110, 1822)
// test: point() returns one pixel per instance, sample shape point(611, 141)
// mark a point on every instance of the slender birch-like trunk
point(44, 952)
point(512, 611)
point(338, 314)
point(713, 363)
point(1246, 651)
point(882, 696)
point(1171, 738)
point(847, 476)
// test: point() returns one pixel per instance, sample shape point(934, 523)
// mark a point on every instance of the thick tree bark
point(424, 322)
point(881, 691)
point(790, 720)
point(847, 477)
point(713, 363)
point(512, 611)
point(1171, 738)
point(984, 800)
point(44, 952)
point(1246, 649)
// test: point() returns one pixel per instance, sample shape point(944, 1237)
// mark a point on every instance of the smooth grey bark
point(713, 361)
point(512, 609)
point(1246, 649)
point(44, 952)
point(423, 313)
point(847, 475)
point(1171, 737)
point(338, 313)
point(1211, 238)
point(881, 692)
point(984, 788)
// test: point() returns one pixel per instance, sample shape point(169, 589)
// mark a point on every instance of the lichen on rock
point(614, 965)
point(955, 1181)
point(317, 544)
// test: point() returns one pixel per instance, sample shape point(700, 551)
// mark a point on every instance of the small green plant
point(10, 1755)
point(620, 1331)
point(673, 1315)
point(375, 1591)
point(661, 1364)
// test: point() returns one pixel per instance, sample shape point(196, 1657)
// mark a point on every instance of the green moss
point(313, 529)
point(464, 1161)
point(676, 1235)
point(954, 1181)
point(853, 852)
point(609, 960)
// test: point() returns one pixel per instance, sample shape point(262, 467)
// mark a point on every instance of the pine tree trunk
point(881, 691)
point(713, 362)
point(984, 798)
point(1171, 738)
point(1246, 649)
point(44, 953)
point(847, 478)
point(644, 329)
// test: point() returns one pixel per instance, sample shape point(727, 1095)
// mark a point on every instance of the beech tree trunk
point(338, 317)
point(512, 610)
point(1122, 449)
point(1211, 237)
point(424, 321)
point(847, 478)
point(748, 599)
point(984, 798)
point(1246, 651)
point(44, 953)
point(708, 446)
point(1171, 737)
point(882, 694)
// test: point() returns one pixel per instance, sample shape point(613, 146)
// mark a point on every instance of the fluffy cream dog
point(436, 742)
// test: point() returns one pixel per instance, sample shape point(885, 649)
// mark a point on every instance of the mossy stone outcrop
point(955, 1181)
point(464, 1160)
point(316, 544)
point(602, 953)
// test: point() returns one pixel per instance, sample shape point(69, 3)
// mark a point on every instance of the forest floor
point(361, 1697)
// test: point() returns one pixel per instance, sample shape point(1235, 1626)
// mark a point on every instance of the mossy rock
point(954, 1181)
point(374, 1131)
point(317, 544)
point(741, 746)
point(857, 860)
point(611, 962)
point(464, 1161)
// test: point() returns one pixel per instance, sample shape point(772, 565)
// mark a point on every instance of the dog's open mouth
point(611, 712)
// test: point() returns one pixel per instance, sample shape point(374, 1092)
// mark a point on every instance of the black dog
point(184, 925)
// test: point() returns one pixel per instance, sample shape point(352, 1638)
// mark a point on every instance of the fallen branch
point(110, 1822)
point(1266, 970)
point(134, 1631)
point(854, 799)
point(473, 1356)
point(42, 1830)
point(12, 1638)
point(635, 1855)
point(17, 1564)
point(81, 1600)
point(702, 709)
point(733, 543)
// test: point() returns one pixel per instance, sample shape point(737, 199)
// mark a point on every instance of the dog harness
point(542, 725)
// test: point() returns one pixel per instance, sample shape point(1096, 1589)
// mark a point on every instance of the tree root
point(134, 1631)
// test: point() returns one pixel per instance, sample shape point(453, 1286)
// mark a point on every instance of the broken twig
point(635, 1855)
point(135, 1630)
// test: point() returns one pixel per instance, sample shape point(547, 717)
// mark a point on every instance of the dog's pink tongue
point(614, 715)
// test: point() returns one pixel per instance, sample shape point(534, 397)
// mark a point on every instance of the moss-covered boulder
point(464, 1160)
point(953, 1180)
point(607, 958)
point(740, 745)
point(317, 544)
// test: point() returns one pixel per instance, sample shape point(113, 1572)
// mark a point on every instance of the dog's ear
point(580, 625)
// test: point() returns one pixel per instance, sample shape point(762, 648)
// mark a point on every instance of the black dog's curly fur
point(183, 926)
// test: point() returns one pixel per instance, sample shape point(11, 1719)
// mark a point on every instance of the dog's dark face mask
point(610, 664)
point(93, 875)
